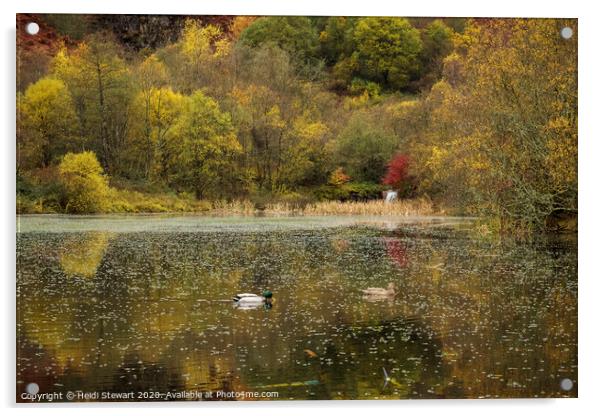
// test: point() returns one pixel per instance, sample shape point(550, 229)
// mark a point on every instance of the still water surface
point(141, 303)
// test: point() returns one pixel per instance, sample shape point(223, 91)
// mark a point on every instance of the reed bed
point(410, 207)
point(242, 207)
point(413, 207)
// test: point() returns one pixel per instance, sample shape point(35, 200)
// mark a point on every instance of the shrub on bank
point(125, 200)
point(352, 191)
point(39, 193)
point(85, 186)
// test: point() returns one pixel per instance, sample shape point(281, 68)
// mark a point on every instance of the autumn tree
point(47, 124)
point(338, 177)
point(154, 109)
point(261, 131)
point(398, 174)
point(207, 161)
point(271, 67)
point(282, 122)
point(86, 187)
point(305, 159)
point(503, 131)
point(100, 84)
point(195, 61)
point(239, 24)
point(152, 145)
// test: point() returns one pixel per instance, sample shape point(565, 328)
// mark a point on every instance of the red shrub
point(397, 172)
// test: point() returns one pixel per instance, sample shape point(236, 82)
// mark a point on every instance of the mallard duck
point(247, 297)
point(380, 292)
point(251, 300)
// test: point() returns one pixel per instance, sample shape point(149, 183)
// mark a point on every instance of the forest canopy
point(477, 115)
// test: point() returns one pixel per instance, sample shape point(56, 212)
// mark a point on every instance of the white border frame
point(590, 134)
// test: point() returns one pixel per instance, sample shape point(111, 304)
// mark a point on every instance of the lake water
point(142, 304)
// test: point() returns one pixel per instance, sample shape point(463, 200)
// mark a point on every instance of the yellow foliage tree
point(100, 83)
point(151, 135)
point(208, 150)
point(86, 188)
point(304, 157)
point(504, 122)
point(201, 57)
point(47, 123)
point(200, 42)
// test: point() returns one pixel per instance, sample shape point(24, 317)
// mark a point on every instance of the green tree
point(388, 50)
point(345, 70)
point(364, 148)
point(336, 40)
point(294, 34)
point(47, 124)
point(209, 150)
point(437, 40)
point(86, 188)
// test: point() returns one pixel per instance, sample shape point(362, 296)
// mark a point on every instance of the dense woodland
point(155, 113)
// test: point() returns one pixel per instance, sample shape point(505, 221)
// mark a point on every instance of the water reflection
point(473, 318)
point(82, 253)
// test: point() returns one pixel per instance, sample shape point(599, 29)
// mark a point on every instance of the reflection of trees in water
point(504, 330)
point(352, 361)
point(396, 251)
point(81, 254)
point(495, 319)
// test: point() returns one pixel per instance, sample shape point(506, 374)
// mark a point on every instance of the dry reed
point(410, 207)
point(413, 207)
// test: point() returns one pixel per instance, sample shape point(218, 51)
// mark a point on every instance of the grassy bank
point(119, 201)
point(128, 201)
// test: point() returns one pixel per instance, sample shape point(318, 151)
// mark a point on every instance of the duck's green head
point(267, 294)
